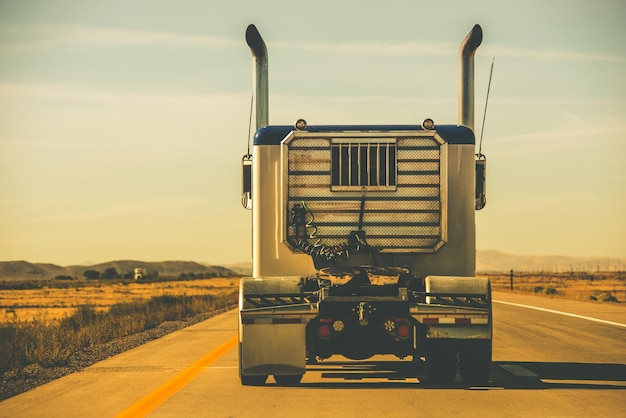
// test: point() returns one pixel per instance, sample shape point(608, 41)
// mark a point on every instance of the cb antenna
point(482, 128)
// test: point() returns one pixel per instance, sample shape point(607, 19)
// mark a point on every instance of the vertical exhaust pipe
point(260, 80)
point(466, 105)
point(466, 75)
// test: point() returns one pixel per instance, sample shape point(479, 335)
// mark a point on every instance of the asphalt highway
point(552, 358)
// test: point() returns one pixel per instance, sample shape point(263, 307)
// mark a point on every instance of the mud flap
point(278, 349)
point(272, 342)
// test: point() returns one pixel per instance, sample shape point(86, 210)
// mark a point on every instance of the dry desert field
point(581, 286)
point(60, 299)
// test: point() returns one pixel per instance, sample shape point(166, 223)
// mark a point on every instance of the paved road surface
point(545, 365)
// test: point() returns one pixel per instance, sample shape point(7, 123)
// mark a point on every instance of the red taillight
point(399, 327)
point(324, 331)
point(403, 330)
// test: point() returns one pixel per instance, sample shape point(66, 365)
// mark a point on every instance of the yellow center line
point(151, 401)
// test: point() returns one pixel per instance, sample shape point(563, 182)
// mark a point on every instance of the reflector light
point(338, 326)
point(457, 321)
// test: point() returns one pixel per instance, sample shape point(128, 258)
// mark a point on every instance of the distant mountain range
point(487, 261)
point(20, 270)
point(497, 261)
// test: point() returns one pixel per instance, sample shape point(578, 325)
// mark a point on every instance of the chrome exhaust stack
point(260, 74)
point(466, 75)
point(260, 89)
point(466, 105)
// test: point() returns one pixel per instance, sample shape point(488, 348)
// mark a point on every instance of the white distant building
point(138, 273)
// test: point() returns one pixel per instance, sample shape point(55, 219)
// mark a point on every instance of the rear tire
point(288, 379)
point(441, 362)
point(476, 355)
point(475, 365)
point(249, 380)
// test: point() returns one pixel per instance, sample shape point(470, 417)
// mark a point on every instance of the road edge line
point(588, 318)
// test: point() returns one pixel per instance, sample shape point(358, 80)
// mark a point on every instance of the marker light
point(403, 331)
point(300, 125)
point(389, 325)
point(323, 331)
point(428, 124)
point(338, 326)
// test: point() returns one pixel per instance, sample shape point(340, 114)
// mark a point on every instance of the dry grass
point(48, 325)
point(581, 286)
point(51, 303)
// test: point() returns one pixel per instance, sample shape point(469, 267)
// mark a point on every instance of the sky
point(123, 123)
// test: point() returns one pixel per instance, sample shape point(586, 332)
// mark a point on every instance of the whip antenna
point(482, 128)
point(250, 124)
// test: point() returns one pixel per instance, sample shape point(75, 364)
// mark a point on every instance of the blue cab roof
point(452, 134)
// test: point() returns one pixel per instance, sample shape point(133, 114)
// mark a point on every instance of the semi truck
point(363, 242)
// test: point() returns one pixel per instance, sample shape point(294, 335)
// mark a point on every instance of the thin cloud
point(36, 37)
point(605, 134)
point(373, 47)
point(445, 49)
point(499, 51)
point(58, 211)
point(363, 98)
point(23, 38)
point(14, 92)
point(11, 92)
point(559, 101)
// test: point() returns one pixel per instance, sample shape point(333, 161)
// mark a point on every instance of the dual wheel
point(472, 357)
point(259, 380)
point(443, 357)
point(281, 380)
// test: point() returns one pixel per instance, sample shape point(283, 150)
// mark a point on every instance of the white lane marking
point(588, 318)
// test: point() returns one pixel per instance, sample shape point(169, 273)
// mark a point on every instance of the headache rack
point(393, 185)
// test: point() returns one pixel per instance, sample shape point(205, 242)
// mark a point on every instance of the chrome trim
point(260, 76)
point(466, 75)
